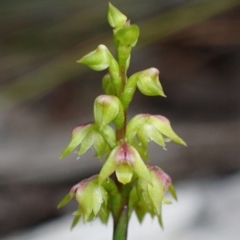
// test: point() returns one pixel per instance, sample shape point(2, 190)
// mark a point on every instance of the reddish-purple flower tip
point(124, 159)
point(161, 176)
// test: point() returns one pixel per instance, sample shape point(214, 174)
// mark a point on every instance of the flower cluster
point(121, 145)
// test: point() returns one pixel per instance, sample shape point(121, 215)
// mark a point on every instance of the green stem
point(120, 227)
point(120, 216)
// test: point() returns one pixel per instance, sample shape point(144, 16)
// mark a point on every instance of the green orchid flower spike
point(125, 183)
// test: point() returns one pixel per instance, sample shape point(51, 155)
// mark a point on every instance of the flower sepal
point(77, 136)
point(89, 135)
point(162, 124)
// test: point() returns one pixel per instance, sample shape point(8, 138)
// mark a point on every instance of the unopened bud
point(98, 59)
point(108, 108)
point(148, 82)
point(116, 19)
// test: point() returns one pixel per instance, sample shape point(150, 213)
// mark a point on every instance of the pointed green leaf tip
point(172, 190)
point(66, 199)
point(75, 221)
point(116, 19)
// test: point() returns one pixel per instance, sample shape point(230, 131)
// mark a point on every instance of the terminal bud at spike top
point(116, 19)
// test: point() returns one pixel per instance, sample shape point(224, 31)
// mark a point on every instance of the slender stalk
point(120, 133)
point(120, 229)
point(120, 218)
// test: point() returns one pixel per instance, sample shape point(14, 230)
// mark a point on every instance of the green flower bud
point(148, 83)
point(98, 59)
point(127, 36)
point(116, 19)
point(78, 134)
point(108, 108)
point(163, 125)
point(125, 160)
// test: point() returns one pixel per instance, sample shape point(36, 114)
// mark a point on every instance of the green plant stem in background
point(125, 183)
